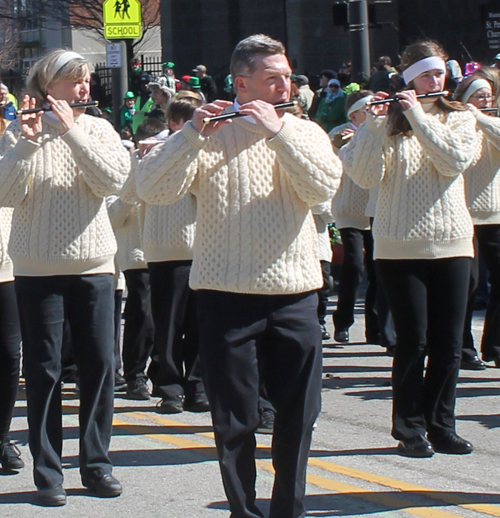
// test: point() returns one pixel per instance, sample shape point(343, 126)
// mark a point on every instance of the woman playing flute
point(480, 91)
point(55, 170)
point(423, 243)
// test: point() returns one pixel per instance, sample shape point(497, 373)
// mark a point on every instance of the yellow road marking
point(339, 487)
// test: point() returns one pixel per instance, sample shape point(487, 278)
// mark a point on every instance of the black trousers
point(87, 302)
point(324, 292)
point(356, 242)
point(487, 242)
point(10, 354)
point(428, 300)
point(138, 332)
point(176, 338)
point(282, 333)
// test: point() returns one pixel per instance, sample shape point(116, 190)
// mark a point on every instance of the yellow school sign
point(122, 19)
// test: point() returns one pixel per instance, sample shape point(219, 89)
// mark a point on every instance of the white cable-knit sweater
point(255, 230)
point(167, 233)
point(349, 204)
point(56, 185)
point(421, 211)
point(482, 179)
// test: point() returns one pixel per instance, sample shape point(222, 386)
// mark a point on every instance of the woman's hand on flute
point(408, 99)
point(379, 110)
point(63, 112)
point(210, 110)
point(31, 123)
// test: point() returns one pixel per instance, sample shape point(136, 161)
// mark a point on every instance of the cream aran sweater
point(421, 211)
point(6, 267)
point(56, 185)
point(167, 233)
point(255, 230)
point(349, 204)
point(482, 179)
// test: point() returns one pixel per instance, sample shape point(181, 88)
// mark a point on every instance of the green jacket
point(330, 115)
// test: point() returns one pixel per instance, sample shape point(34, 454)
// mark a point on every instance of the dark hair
point(356, 96)
point(398, 123)
point(383, 61)
point(149, 128)
point(158, 114)
point(181, 110)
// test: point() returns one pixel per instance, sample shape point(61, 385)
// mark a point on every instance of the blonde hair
point(45, 71)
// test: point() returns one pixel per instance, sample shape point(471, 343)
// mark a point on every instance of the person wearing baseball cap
point(208, 86)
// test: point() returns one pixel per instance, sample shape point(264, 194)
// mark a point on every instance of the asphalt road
point(167, 464)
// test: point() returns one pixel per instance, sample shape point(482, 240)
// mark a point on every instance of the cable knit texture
point(255, 231)
point(168, 230)
point(482, 179)
point(6, 267)
point(421, 211)
point(56, 185)
point(349, 204)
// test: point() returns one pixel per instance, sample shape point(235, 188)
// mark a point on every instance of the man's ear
point(240, 83)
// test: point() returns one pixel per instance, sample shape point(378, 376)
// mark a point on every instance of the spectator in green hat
point(195, 86)
point(169, 75)
point(127, 111)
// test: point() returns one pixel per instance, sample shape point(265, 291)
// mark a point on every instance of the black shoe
point(325, 335)
point(52, 496)
point(473, 364)
point(196, 402)
point(10, 456)
point(341, 336)
point(138, 389)
point(266, 424)
point(373, 339)
point(450, 443)
point(105, 486)
point(418, 447)
point(170, 405)
point(391, 350)
point(492, 358)
point(120, 382)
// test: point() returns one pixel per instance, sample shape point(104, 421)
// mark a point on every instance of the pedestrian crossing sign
point(122, 19)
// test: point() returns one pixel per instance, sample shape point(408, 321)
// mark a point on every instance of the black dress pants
point(428, 300)
point(356, 242)
point(10, 354)
point(138, 332)
point(87, 302)
point(175, 318)
point(282, 333)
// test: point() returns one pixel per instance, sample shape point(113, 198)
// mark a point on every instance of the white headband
point(474, 87)
point(64, 59)
point(359, 104)
point(432, 63)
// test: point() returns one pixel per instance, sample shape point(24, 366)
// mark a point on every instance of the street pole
point(119, 77)
point(360, 40)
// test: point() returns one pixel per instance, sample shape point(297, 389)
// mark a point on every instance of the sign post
point(122, 20)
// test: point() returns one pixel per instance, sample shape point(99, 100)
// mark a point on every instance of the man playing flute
point(256, 267)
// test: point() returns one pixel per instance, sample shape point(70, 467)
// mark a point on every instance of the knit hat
point(161, 83)
point(168, 64)
point(331, 74)
point(129, 95)
point(194, 82)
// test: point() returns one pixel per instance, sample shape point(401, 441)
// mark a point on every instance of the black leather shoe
point(418, 447)
point(325, 335)
point(341, 336)
point(106, 485)
point(170, 405)
point(473, 364)
point(196, 402)
point(491, 358)
point(450, 443)
point(52, 496)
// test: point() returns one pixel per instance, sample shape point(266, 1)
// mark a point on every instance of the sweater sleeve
point(363, 156)
point(129, 190)
point(450, 145)
point(491, 128)
point(305, 153)
point(16, 154)
point(178, 156)
point(100, 155)
point(324, 211)
point(118, 210)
